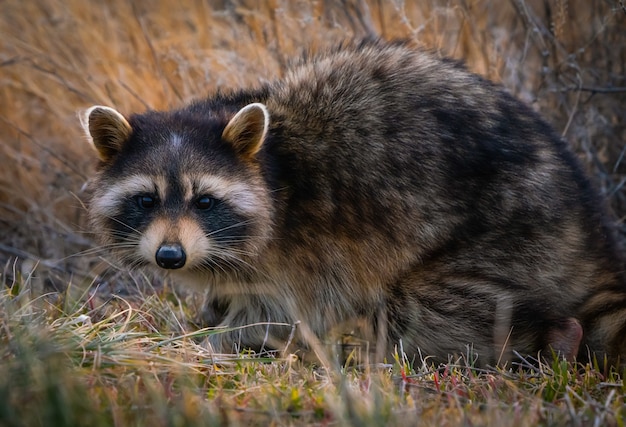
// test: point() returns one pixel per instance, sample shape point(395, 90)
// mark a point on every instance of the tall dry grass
point(566, 58)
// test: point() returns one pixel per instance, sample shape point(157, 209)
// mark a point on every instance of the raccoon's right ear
point(247, 129)
point(106, 129)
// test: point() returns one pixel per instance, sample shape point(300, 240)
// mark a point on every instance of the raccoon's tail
point(603, 316)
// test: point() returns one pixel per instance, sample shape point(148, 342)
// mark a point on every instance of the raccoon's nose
point(171, 256)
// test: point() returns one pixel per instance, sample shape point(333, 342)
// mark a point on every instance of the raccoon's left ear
point(106, 129)
point(247, 129)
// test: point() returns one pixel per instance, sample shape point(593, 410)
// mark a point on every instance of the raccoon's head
point(181, 190)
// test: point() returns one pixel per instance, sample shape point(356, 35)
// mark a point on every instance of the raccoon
point(375, 182)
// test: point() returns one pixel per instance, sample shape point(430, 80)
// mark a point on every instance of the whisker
point(124, 224)
point(239, 224)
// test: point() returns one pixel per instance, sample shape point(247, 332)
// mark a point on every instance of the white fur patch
point(176, 141)
point(107, 201)
point(83, 117)
point(238, 195)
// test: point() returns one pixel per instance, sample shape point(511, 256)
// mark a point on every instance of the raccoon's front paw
point(214, 313)
point(226, 340)
point(259, 338)
point(221, 342)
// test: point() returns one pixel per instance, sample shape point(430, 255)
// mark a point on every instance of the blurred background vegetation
point(566, 58)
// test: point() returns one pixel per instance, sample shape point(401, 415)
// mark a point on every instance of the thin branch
point(592, 89)
point(19, 253)
point(134, 94)
point(602, 89)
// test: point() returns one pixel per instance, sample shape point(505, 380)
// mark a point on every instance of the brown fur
point(374, 183)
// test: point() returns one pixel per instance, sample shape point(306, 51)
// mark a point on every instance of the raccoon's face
point(179, 191)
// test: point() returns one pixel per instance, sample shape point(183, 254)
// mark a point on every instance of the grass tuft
point(109, 365)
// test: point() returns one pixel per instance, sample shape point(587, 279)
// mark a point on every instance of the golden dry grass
point(567, 58)
point(61, 56)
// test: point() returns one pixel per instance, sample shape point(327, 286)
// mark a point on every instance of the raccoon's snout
point(171, 256)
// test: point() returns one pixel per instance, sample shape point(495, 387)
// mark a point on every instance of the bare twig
point(602, 89)
point(134, 94)
point(19, 253)
point(592, 89)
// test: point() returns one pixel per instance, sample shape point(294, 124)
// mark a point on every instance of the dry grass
point(566, 58)
point(131, 362)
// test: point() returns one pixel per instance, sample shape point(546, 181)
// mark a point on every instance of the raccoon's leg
point(214, 312)
point(429, 316)
point(603, 318)
point(438, 312)
point(252, 322)
point(564, 338)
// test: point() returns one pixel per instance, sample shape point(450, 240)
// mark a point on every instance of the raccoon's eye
point(146, 202)
point(204, 203)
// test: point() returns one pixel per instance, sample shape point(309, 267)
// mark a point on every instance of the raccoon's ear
point(106, 129)
point(247, 129)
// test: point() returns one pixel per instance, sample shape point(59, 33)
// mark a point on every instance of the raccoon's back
point(372, 139)
point(390, 158)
